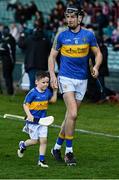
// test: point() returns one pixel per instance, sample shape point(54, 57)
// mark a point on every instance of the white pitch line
point(77, 130)
point(90, 132)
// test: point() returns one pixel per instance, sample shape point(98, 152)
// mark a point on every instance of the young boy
point(35, 106)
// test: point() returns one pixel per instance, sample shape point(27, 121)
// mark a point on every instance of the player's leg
point(67, 128)
point(72, 101)
point(43, 130)
point(42, 151)
point(56, 150)
point(32, 131)
point(65, 84)
point(23, 145)
point(72, 108)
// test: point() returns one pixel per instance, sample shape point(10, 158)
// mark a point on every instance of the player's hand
point(95, 72)
point(53, 82)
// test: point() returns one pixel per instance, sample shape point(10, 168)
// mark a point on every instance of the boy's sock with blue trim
point(41, 158)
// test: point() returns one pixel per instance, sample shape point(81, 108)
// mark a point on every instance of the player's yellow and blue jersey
point(38, 103)
point(74, 49)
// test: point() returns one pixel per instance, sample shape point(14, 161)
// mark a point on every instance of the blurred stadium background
point(7, 16)
point(97, 154)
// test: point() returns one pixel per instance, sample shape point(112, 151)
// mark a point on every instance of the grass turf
point(97, 156)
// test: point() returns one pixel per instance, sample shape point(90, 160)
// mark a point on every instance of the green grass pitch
point(97, 155)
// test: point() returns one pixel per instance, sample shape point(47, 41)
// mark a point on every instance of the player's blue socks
point(59, 143)
point(41, 158)
point(68, 146)
point(68, 142)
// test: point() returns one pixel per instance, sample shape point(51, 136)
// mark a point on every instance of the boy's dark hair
point(41, 74)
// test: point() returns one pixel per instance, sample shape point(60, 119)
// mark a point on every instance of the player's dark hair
point(74, 8)
point(41, 74)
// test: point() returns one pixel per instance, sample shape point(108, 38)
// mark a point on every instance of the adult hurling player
point(73, 44)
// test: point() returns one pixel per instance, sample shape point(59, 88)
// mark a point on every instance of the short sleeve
point(57, 42)
point(29, 97)
point(93, 41)
point(50, 94)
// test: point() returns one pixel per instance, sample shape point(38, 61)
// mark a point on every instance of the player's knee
point(73, 115)
point(43, 140)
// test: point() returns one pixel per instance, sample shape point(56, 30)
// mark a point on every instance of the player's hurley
point(46, 121)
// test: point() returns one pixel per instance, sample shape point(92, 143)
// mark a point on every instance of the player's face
point(72, 20)
point(43, 83)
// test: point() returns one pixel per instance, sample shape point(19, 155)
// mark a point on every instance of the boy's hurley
point(46, 121)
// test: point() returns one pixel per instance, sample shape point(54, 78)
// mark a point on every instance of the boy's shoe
point(20, 151)
point(42, 164)
point(70, 159)
point(56, 153)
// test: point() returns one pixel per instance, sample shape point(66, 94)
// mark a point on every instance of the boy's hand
point(30, 117)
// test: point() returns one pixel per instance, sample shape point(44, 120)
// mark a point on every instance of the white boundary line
point(90, 132)
point(77, 130)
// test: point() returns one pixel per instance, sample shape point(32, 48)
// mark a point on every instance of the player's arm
point(98, 61)
point(51, 66)
point(27, 111)
point(54, 96)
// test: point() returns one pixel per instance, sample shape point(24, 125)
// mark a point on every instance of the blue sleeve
point(57, 42)
point(50, 94)
point(93, 41)
point(29, 97)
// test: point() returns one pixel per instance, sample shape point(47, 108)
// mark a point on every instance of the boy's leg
point(42, 151)
point(23, 145)
point(42, 135)
point(32, 130)
point(22, 148)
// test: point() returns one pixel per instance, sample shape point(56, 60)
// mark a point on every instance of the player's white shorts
point(73, 85)
point(35, 131)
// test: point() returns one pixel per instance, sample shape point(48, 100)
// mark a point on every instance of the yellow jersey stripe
point(75, 51)
point(38, 105)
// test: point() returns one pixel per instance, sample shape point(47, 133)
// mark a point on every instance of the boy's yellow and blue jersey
point(38, 103)
point(74, 49)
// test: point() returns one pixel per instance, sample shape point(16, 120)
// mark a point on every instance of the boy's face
point(42, 83)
